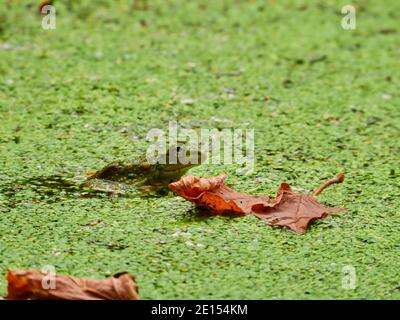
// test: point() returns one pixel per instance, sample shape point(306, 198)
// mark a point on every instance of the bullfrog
point(132, 177)
point(139, 174)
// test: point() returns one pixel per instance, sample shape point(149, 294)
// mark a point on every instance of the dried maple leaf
point(213, 194)
point(34, 284)
point(287, 209)
point(293, 210)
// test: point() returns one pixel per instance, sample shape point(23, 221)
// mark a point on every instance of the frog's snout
point(184, 160)
point(188, 158)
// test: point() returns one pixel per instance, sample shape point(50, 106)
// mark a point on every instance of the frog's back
point(120, 170)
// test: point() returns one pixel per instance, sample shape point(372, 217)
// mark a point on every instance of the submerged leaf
point(33, 284)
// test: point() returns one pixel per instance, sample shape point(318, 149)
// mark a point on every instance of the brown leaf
point(213, 194)
point(293, 210)
point(31, 284)
point(288, 209)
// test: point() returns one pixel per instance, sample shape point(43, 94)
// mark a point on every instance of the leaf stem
point(339, 178)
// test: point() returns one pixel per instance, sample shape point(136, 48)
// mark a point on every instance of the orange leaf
point(213, 194)
point(30, 284)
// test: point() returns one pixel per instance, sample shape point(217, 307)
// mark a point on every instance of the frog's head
point(173, 164)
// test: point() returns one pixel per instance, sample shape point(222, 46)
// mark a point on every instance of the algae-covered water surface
point(320, 98)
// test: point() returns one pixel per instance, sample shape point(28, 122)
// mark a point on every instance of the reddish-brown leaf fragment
point(34, 284)
point(43, 4)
